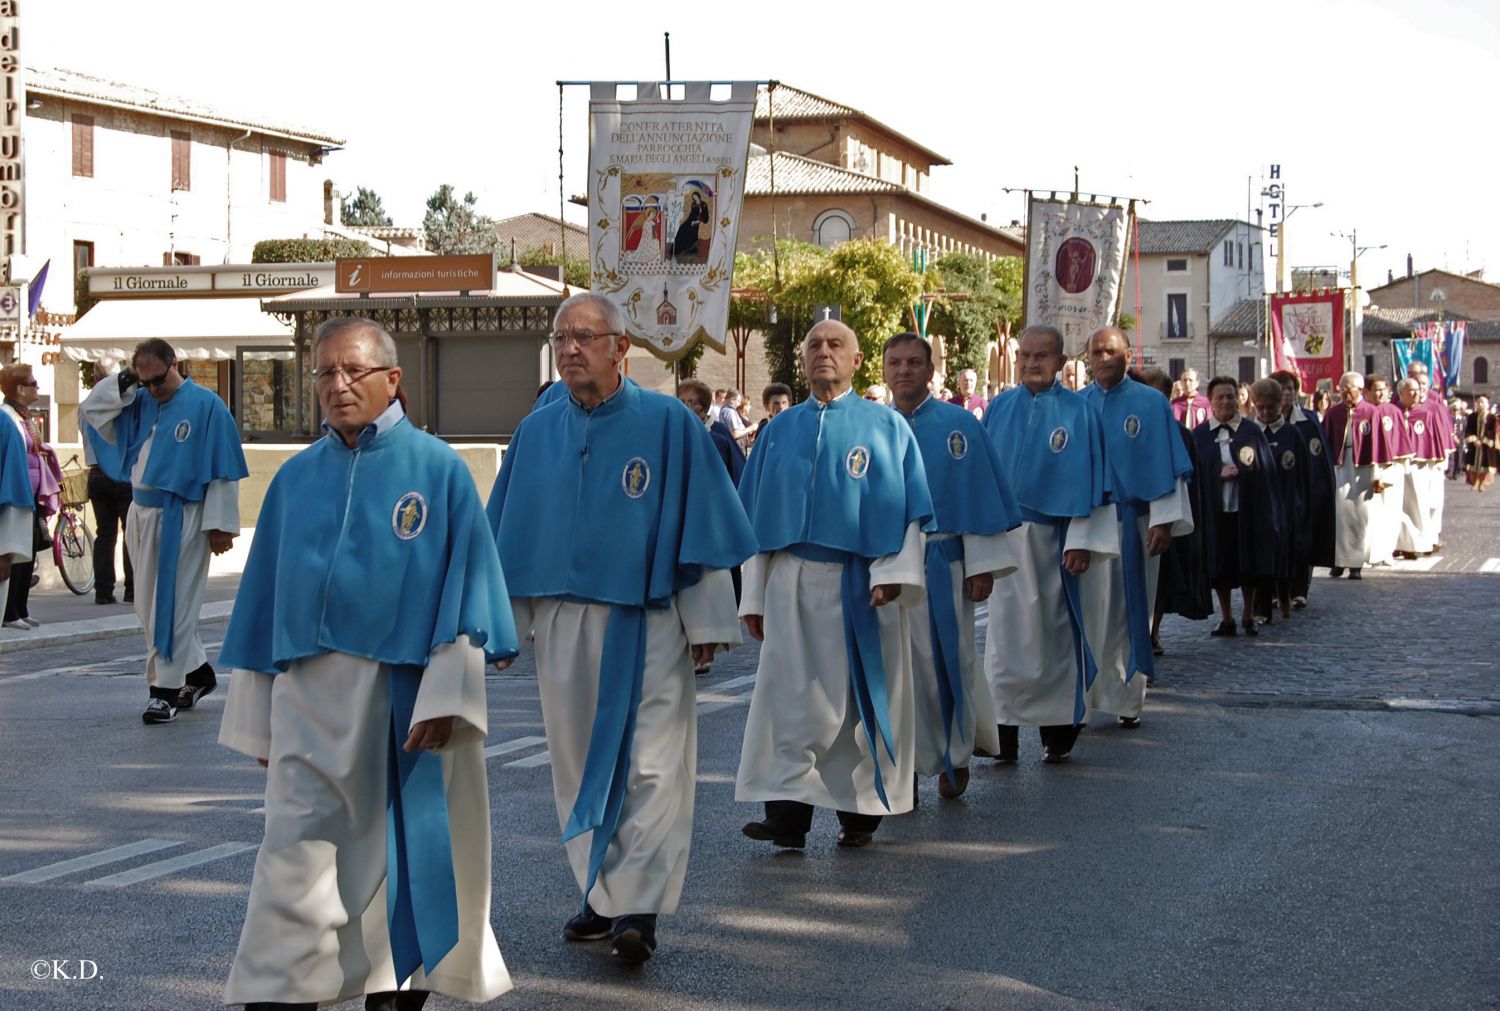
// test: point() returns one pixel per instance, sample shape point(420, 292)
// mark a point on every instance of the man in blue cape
point(618, 525)
point(1292, 470)
point(1149, 473)
point(17, 523)
point(974, 508)
point(1037, 654)
point(180, 450)
point(839, 501)
point(1317, 515)
point(371, 599)
point(1241, 512)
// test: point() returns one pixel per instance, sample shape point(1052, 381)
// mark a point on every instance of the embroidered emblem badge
point(636, 477)
point(1132, 426)
point(183, 430)
point(1386, 423)
point(409, 516)
point(1315, 447)
point(857, 463)
point(1247, 456)
point(1419, 426)
point(1288, 459)
point(1058, 440)
point(1364, 428)
point(958, 446)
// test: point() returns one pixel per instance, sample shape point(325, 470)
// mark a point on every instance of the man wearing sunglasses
point(617, 526)
point(179, 448)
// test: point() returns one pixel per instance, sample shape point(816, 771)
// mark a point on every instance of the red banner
point(1307, 335)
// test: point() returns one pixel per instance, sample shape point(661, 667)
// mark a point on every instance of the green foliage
point(1127, 322)
point(308, 250)
point(1009, 275)
point(82, 300)
point(454, 226)
point(364, 208)
point(967, 323)
point(575, 272)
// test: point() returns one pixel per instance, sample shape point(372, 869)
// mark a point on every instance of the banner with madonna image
point(666, 181)
point(1307, 335)
point(1075, 266)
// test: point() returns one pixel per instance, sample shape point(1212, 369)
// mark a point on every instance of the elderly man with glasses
point(617, 525)
point(179, 448)
point(371, 600)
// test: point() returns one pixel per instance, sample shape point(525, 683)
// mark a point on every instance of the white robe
point(1383, 523)
point(1102, 589)
point(219, 510)
point(316, 928)
point(982, 555)
point(646, 862)
point(803, 737)
point(1028, 654)
point(1417, 518)
point(16, 530)
point(1352, 500)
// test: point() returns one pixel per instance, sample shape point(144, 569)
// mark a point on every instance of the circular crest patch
point(1132, 426)
point(1364, 428)
point(1288, 459)
point(1058, 440)
point(1247, 456)
point(958, 445)
point(636, 477)
point(183, 430)
point(1315, 447)
point(1419, 426)
point(409, 516)
point(1386, 424)
point(857, 463)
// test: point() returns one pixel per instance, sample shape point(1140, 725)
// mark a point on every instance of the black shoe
point(130, 596)
point(853, 838)
point(769, 831)
point(1224, 628)
point(1335, 572)
point(104, 598)
point(390, 1000)
point(1355, 574)
point(159, 711)
point(587, 926)
point(635, 937)
point(1156, 649)
point(1127, 722)
point(1250, 628)
point(1010, 744)
point(1056, 756)
point(199, 683)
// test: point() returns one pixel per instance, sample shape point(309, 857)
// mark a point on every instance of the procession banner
point(1075, 266)
point(1447, 337)
point(1307, 334)
point(1404, 351)
point(666, 181)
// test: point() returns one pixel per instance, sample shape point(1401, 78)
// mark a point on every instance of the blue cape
point(197, 442)
point(1321, 489)
point(1052, 446)
point(1294, 488)
point(381, 552)
point(845, 475)
point(1141, 437)
point(970, 494)
point(1260, 519)
point(626, 504)
point(15, 478)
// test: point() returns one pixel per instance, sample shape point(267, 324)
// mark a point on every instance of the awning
point(211, 329)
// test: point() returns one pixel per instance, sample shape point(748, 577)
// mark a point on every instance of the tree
point(307, 250)
point(454, 226)
point(363, 209)
point(575, 272)
point(967, 322)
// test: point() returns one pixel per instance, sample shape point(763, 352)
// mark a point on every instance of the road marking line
point(530, 762)
point(722, 702)
point(1419, 564)
point(89, 861)
point(163, 867)
point(733, 683)
point(1490, 565)
point(519, 744)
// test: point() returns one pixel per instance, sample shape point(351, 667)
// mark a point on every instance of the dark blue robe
point(1253, 555)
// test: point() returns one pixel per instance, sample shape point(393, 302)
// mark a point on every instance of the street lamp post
point(1357, 345)
point(1287, 211)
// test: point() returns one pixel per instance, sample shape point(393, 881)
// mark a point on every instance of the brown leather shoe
point(956, 788)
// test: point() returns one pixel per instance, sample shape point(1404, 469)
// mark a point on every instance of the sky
point(1383, 112)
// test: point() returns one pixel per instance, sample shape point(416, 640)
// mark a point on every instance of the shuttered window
point(182, 160)
point(83, 146)
point(278, 177)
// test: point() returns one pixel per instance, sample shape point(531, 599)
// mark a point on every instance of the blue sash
point(421, 899)
point(1083, 656)
point(606, 769)
point(862, 644)
point(166, 563)
point(1137, 608)
point(947, 660)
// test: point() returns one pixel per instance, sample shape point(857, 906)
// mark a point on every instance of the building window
point(1481, 371)
point(83, 146)
point(83, 256)
point(832, 227)
point(182, 161)
point(1247, 369)
point(278, 177)
point(1177, 266)
point(1177, 318)
point(1228, 253)
point(1239, 248)
point(180, 259)
point(1176, 367)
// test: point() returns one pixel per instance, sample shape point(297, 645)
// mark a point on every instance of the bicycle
point(72, 542)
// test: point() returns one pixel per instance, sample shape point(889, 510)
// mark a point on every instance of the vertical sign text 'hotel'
point(13, 110)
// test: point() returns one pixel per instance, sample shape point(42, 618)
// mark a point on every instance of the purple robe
point(1193, 411)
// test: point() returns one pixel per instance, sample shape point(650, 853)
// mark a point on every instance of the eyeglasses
point(156, 381)
point(350, 375)
point(580, 337)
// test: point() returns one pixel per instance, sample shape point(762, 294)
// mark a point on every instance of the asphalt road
point(1308, 820)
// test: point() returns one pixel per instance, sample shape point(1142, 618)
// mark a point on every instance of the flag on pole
point(34, 299)
point(1075, 266)
point(1447, 338)
point(1307, 334)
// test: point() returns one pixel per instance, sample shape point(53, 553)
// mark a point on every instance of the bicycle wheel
point(73, 551)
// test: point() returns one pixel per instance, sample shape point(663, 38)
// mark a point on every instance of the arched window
point(832, 227)
point(1481, 371)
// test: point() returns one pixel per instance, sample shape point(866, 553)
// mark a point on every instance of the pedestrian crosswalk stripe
point(89, 861)
point(519, 744)
point(733, 683)
point(530, 762)
point(1490, 565)
point(146, 872)
point(715, 703)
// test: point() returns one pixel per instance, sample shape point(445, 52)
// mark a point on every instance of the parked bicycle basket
point(75, 487)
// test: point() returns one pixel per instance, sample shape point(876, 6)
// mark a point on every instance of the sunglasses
point(157, 380)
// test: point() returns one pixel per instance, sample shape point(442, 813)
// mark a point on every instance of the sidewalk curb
point(114, 627)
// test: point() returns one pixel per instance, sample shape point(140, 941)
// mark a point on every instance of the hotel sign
point(229, 279)
point(13, 111)
point(381, 275)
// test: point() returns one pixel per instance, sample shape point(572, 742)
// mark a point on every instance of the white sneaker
point(32, 622)
point(18, 625)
